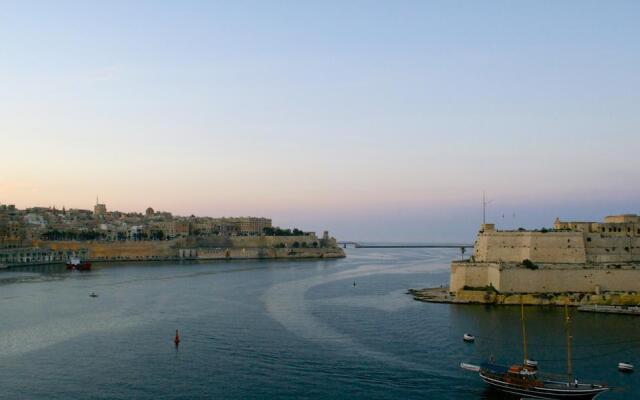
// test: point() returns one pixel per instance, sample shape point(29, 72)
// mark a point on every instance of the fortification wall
point(602, 248)
point(104, 251)
point(556, 247)
point(478, 276)
point(239, 247)
point(268, 253)
point(271, 241)
point(561, 247)
point(546, 279)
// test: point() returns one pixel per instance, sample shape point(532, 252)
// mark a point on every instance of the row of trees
point(296, 245)
point(55, 234)
point(276, 231)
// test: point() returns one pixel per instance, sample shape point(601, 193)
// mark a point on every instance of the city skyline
point(372, 121)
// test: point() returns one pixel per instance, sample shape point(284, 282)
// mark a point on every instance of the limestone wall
point(106, 251)
point(603, 248)
point(546, 279)
point(239, 247)
point(268, 253)
point(556, 247)
point(251, 241)
point(462, 276)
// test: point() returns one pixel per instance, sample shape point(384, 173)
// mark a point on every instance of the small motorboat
point(469, 338)
point(93, 294)
point(75, 264)
point(625, 367)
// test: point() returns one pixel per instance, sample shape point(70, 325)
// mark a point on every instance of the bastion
point(575, 262)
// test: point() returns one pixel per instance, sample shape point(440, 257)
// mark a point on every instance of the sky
point(375, 120)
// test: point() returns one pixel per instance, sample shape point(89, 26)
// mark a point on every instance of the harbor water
point(318, 329)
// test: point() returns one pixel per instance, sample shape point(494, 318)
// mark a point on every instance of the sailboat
point(525, 381)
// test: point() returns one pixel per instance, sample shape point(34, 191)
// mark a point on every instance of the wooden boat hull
point(543, 392)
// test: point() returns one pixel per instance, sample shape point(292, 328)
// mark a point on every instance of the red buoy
point(176, 339)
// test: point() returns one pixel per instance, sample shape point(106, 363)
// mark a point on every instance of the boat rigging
point(525, 380)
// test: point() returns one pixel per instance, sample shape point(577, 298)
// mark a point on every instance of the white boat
point(531, 363)
point(470, 367)
point(625, 367)
point(467, 337)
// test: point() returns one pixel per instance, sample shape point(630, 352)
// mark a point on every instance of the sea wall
point(259, 253)
point(240, 247)
point(254, 241)
point(442, 295)
point(551, 278)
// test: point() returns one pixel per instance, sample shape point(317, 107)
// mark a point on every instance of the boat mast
point(569, 337)
point(524, 331)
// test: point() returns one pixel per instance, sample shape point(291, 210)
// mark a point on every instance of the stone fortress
point(578, 258)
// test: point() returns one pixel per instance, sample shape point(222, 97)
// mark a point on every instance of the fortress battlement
point(616, 240)
point(584, 257)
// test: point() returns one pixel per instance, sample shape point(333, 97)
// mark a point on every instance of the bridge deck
point(406, 246)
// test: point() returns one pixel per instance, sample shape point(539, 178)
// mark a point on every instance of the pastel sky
point(376, 120)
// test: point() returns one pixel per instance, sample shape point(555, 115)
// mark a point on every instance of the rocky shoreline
point(442, 295)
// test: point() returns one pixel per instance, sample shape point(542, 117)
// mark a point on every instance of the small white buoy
point(625, 367)
point(469, 338)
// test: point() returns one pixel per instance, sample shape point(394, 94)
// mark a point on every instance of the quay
point(635, 310)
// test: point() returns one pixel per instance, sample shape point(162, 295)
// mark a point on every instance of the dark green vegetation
point(276, 231)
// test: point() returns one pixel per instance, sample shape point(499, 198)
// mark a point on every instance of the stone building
point(100, 210)
point(253, 225)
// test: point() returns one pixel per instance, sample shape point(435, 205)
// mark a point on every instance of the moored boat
point(469, 338)
point(76, 264)
point(522, 381)
point(525, 381)
point(625, 367)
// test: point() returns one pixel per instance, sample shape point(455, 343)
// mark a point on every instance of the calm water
point(288, 329)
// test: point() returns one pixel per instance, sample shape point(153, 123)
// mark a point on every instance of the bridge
point(357, 245)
